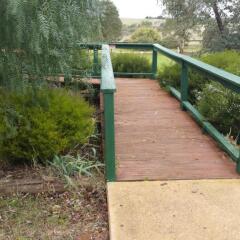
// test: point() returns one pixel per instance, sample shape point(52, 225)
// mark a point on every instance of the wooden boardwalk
point(156, 140)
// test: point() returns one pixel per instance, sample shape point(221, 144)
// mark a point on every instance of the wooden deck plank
point(156, 140)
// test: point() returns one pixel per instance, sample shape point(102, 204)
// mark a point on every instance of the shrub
point(131, 63)
point(221, 107)
point(227, 60)
point(145, 35)
point(36, 125)
point(170, 76)
point(170, 42)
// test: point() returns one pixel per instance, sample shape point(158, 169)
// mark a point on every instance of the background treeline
point(190, 25)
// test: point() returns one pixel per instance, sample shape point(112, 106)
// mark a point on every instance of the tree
point(180, 23)
point(221, 16)
point(178, 31)
point(145, 35)
point(110, 21)
point(38, 37)
point(224, 32)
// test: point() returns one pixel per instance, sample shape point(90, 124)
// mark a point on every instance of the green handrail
point(108, 88)
point(229, 80)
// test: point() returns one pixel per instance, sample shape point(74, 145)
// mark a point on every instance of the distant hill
point(131, 24)
point(130, 21)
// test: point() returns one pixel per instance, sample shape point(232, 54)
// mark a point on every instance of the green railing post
point(95, 62)
point(154, 63)
point(238, 163)
point(108, 87)
point(184, 84)
point(109, 136)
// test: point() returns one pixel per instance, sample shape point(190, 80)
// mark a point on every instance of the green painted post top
point(107, 77)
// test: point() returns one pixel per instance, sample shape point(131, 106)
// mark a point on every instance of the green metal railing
point(108, 88)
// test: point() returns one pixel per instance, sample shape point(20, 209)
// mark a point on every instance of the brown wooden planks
point(156, 140)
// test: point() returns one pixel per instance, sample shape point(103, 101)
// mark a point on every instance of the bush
point(221, 107)
point(145, 35)
point(36, 125)
point(227, 60)
point(131, 63)
point(218, 104)
point(170, 76)
point(170, 42)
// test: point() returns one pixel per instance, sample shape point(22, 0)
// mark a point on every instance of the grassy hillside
point(130, 21)
point(131, 24)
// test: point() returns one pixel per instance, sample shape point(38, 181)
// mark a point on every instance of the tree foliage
point(179, 27)
point(219, 17)
point(38, 37)
point(110, 21)
point(146, 35)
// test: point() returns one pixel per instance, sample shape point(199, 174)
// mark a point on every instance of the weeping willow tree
point(38, 36)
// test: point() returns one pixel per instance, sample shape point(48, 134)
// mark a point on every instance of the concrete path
point(175, 210)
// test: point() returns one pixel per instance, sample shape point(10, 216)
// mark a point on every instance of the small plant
point(69, 166)
point(82, 160)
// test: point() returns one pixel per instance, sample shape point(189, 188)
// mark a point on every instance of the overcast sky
point(137, 8)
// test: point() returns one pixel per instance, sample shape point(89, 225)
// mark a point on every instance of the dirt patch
point(79, 215)
point(26, 179)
